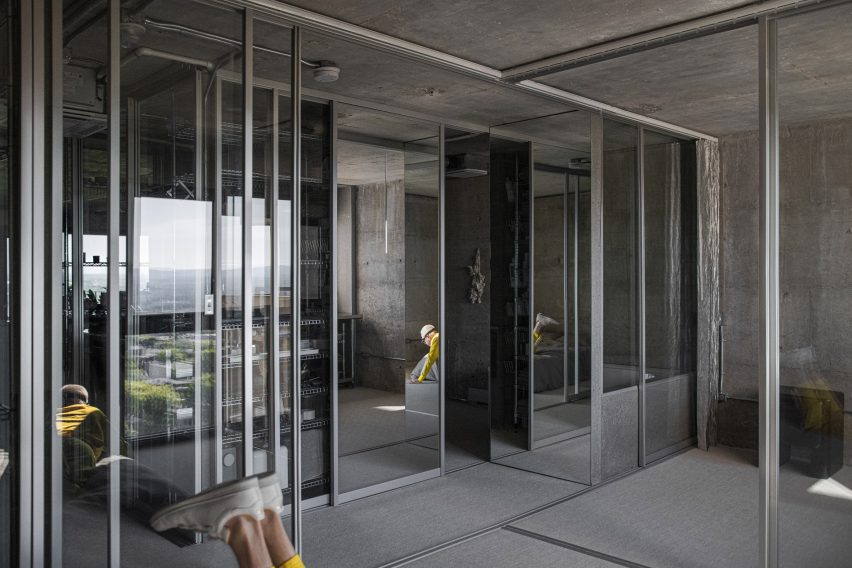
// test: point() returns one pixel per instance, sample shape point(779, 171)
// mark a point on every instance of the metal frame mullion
point(332, 240)
point(442, 299)
point(296, 301)
point(113, 285)
point(576, 285)
point(275, 340)
point(769, 297)
point(531, 307)
point(56, 275)
point(597, 298)
point(200, 288)
point(218, 419)
point(247, 262)
point(566, 192)
point(640, 238)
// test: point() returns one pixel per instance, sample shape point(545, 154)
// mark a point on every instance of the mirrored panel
point(388, 227)
point(468, 284)
point(560, 405)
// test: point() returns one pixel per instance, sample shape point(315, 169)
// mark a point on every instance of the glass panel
point(84, 422)
point(315, 301)
point(620, 403)
point(559, 440)
point(511, 331)
point(8, 390)
point(467, 193)
point(273, 196)
point(670, 292)
point(815, 483)
point(388, 267)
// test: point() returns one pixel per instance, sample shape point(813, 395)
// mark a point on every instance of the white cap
point(426, 330)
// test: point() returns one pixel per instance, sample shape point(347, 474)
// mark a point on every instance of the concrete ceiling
point(505, 33)
point(708, 84)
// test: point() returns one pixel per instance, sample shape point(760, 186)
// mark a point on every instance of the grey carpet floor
point(384, 464)
point(568, 460)
point(503, 549)
point(699, 509)
point(392, 525)
point(370, 418)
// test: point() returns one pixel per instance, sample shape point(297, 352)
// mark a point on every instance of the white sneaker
point(270, 489)
point(210, 510)
point(544, 320)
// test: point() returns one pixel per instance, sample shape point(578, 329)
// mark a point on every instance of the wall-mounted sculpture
point(477, 280)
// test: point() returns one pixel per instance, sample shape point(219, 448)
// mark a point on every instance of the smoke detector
point(327, 72)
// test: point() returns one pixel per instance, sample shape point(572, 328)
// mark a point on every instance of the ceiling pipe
point(186, 30)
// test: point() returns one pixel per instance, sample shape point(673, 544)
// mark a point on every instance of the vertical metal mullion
point(247, 263)
point(565, 245)
point(113, 285)
point(597, 299)
point(274, 351)
point(200, 288)
point(56, 238)
point(442, 300)
point(640, 233)
point(332, 240)
point(769, 299)
point(531, 306)
point(576, 285)
point(295, 399)
point(217, 280)
point(77, 197)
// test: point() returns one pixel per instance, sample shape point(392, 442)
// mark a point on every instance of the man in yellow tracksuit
point(429, 335)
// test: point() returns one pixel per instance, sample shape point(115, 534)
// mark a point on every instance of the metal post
point(275, 340)
point(769, 299)
point(248, 215)
point(332, 240)
point(597, 299)
point(218, 282)
point(640, 265)
point(200, 288)
point(565, 246)
point(531, 307)
point(77, 196)
point(114, 257)
point(56, 275)
point(442, 300)
point(296, 256)
point(576, 285)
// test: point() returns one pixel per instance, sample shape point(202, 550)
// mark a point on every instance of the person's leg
point(277, 542)
point(245, 537)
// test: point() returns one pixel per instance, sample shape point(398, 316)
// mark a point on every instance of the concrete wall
point(380, 285)
point(816, 265)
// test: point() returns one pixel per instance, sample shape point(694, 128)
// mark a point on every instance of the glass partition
point(670, 272)
point(388, 292)
point(621, 259)
point(815, 438)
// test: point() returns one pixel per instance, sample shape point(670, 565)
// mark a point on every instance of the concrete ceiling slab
point(505, 33)
point(709, 83)
point(378, 77)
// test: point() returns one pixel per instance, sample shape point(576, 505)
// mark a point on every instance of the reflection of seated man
point(425, 370)
point(84, 429)
point(541, 321)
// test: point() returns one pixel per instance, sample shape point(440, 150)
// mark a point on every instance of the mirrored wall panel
point(559, 439)
point(468, 297)
point(388, 274)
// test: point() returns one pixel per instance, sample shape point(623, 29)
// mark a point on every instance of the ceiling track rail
point(667, 35)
